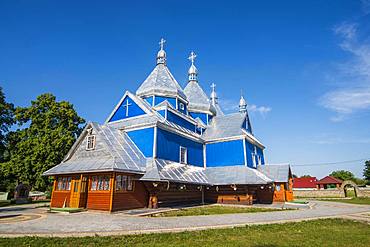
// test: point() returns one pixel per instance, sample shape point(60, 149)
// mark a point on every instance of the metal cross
point(161, 43)
point(127, 105)
point(213, 86)
point(192, 57)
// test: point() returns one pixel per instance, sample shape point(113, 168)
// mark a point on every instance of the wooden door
point(83, 192)
point(75, 193)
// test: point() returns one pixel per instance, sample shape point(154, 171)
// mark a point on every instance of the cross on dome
point(192, 57)
point(161, 43)
point(161, 55)
point(213, 86)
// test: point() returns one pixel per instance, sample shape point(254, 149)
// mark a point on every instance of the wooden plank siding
point(227, 195)
point(99, 199)
point(58, 198)
point(138, 198)
point(172, 195)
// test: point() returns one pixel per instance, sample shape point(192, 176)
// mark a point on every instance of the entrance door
point(75, 193)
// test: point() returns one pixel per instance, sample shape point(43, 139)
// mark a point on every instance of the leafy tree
point(49, 129)
point(367, 172)
point(6, 121)
point(306, 176)
point(343, 175)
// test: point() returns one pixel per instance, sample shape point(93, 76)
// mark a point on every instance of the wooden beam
point(112, 187)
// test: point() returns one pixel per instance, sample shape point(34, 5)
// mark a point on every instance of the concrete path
point(99, 223)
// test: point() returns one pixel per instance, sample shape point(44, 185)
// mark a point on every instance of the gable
point(126, 109)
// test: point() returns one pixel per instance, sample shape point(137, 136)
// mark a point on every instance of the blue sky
point(303, 66)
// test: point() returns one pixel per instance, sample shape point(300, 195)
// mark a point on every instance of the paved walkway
point(99, 223)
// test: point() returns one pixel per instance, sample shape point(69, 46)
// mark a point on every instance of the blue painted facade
point(128, 108)
point(149, 100)
point(160, 99)
point(168, 147)
point(182, 107)
point(227, 153)
point(202, 116)
point(172, 117)
point(249, 151)
point(144, 139)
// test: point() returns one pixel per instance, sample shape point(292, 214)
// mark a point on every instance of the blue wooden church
point(165, 145)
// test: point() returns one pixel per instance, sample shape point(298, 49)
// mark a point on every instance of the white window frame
point(185, 155)
point(182, 106)
point(93, 137)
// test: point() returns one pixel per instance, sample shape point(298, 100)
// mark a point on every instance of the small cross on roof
point(192, 57)
point(161, 43)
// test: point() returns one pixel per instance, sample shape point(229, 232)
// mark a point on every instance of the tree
point(49, 129)
point(6, 121)
point(367, 172)
point(343, 175)
point(306, 176)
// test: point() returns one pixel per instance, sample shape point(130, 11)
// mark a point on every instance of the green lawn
point(67, 210)
point(354, 200)
point(208, 210)
point(329, 232)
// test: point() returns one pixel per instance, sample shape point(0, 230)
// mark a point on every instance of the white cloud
point(263, 110)
point(230, 106)
point(365, 6)
point(355, 95)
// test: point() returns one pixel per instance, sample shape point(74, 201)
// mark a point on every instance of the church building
point(167, 145)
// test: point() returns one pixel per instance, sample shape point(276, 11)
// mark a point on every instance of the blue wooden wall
point(250, 150)
point(149, 100)
point(227, 153)
point(159, 99)
point(143, 139)
point(168, 147)
point(202, 116)
point(180, 121)
point(133, 110)
point(260, 154)
point(185, 107)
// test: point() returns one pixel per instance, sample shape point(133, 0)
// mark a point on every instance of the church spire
point(161, 55)
point(192, 72)
point(242, 104)
point(214, 98)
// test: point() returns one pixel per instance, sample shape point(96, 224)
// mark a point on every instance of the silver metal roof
point(235, 175)
point(115, 151)
point(164, 170)
point(161, 82)
point(278, 173)
point(225, 126)
point(198, 100)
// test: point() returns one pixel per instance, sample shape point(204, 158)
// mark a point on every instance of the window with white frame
point(182, 106)
point(183, 155)
point(90, 142)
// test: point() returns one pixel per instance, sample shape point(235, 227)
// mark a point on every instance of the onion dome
point(214, 101)
point(242, 104)
point(160, 81)
point(161, 55)
point(198, 99)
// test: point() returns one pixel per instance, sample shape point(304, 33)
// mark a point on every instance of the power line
point(332, 163)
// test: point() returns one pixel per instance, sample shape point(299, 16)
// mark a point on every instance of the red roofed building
point(305, 183)
point(329, 182)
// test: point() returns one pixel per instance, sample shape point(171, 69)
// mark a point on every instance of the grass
point(5, 203)
point(208, 210)
point(299, 201)
point(354, 200)
point(67, 210)
point(12, 203)
point(328, 232)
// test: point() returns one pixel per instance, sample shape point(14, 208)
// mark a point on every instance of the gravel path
point(92, 223)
